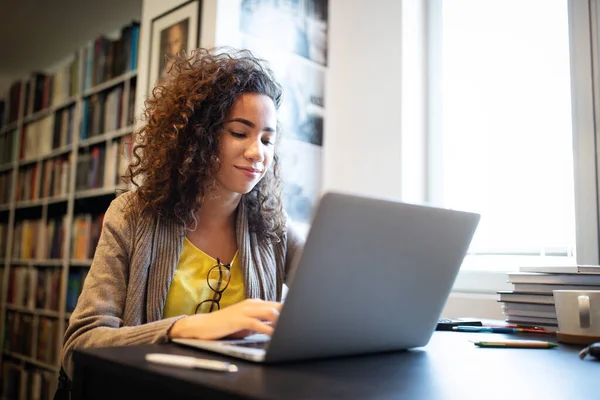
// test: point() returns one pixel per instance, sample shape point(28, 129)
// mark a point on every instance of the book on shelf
point(75, 286)
point(14, 99)
point(62, 134)
point(3, 241)
point(103, 112)
point(41, 384)
point(12, 376)
point(37, 138)
point(34, 288)
point(526, 297)
point(564, 279)
point(562, 269)
point(8, 145)
point(47, 350)
point(106, 57)
point(37, 96)
point(2, 110)
point(5, 187)
point(85, 236)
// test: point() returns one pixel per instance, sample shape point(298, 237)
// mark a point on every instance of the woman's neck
point(218, 212)
point(215, 230)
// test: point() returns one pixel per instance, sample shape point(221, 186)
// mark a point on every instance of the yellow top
point(189, 286)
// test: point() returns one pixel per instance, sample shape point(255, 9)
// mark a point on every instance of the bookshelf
point(63, 144)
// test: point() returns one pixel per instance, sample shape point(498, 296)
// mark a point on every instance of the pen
point(190, 362)
point(490, 329)
point(527, 328)
point(531, 344)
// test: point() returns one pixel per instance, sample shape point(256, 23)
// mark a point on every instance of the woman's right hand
point(245, 317)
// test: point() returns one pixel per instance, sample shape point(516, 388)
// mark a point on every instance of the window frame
point(583, 17)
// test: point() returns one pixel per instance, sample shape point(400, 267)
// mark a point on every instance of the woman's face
point(247, 143)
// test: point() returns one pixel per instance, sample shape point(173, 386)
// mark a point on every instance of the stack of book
point(531, 302)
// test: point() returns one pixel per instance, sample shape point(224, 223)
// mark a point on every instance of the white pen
point(190, 362)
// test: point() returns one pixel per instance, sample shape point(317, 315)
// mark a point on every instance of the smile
point(250, 172)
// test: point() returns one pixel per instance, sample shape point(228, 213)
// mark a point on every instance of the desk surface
point(449, 367)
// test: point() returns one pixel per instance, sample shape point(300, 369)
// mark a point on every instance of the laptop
point(374, 276)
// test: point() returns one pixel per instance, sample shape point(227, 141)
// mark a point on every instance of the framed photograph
point(175, 31)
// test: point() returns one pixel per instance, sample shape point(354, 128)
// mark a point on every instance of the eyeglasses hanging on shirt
point(218, 280)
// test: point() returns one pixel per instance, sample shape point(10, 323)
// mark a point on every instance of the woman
point(201, 247)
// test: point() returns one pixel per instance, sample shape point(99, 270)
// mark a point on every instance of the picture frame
point(175, 31)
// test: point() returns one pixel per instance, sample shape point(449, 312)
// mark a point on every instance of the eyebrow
point(250, 124)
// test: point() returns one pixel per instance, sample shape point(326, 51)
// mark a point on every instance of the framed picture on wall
point(171, 33)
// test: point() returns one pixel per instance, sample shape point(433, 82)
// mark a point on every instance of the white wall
point(362, 133)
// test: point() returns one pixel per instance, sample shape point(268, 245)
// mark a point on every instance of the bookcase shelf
point(49, 110)
point(29, 203)
point(50, 367)
point(33, 311)
point(107, 136)
point(38, 115)
point(80, 263)
point(42, 202)
point(51, 154)
point(110, 83)
point(6, 167)
point(62, 155)
point(103, 191)
point(46, 262)
point(9, 127)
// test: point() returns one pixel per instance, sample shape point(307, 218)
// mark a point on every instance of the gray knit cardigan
point(124, 293)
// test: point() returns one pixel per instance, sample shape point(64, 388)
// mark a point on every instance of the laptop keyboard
point(255, 345)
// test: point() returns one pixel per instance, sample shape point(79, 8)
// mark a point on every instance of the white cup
point(578, 312)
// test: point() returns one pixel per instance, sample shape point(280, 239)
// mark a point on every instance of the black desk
point(449, 367)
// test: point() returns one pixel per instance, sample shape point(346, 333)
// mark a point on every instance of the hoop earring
point(213, 189)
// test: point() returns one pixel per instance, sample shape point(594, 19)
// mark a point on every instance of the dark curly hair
point(175, 152)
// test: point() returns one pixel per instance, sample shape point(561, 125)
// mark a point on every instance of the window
point(501, 140)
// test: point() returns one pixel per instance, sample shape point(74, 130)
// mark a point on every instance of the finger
point(240, 334)
point(258, 326)
point(264, 303)
point(270, 314)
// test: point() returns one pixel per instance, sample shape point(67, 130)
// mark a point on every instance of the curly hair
point(175, 152)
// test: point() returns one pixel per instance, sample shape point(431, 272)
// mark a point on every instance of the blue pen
point(487, 329)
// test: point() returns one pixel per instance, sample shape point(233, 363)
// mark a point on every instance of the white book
point(524, 313)
point(31, 291)
point(529, 307)
point(564, 269)
point(564, 279)
point(110, 164)
point(536, 298)
point(532, 320)
point(549, 288)
point(35, 385)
